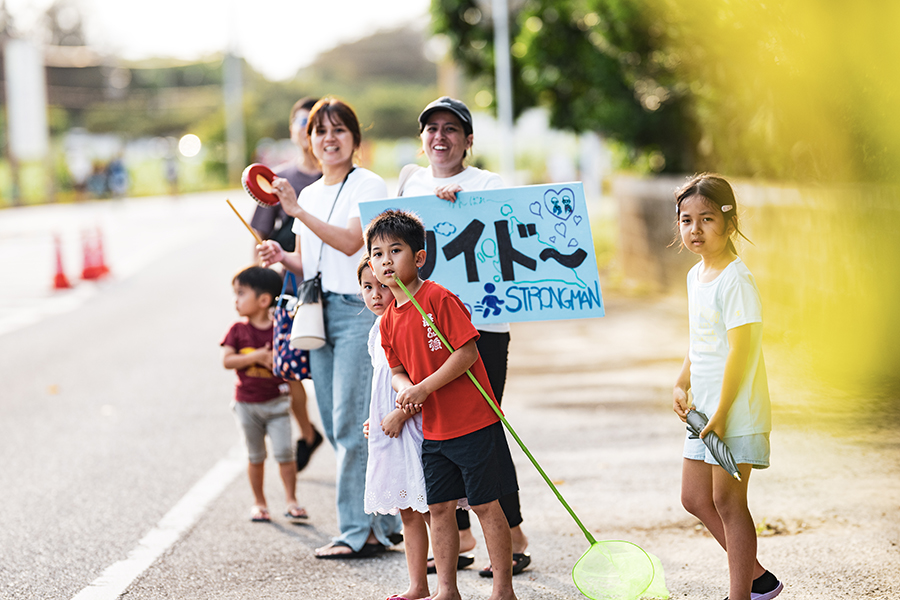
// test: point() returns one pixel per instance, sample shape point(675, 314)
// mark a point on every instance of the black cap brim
point(466, 122)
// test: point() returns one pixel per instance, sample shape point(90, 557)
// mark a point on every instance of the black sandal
point(462, 561)
point(367, 551)
point(520, 561)
point(304, 451)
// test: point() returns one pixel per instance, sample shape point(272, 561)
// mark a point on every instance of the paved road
point(113, 403)
point(114, 406)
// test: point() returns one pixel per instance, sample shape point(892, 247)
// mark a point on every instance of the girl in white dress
point(394, 479)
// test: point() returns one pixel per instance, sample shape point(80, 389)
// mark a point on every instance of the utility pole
point(235, 145)
point(503, 90)
point(233, 89)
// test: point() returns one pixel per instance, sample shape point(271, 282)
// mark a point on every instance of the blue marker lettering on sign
point(550, 297)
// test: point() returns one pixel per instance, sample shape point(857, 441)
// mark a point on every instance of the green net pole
point(587, 534)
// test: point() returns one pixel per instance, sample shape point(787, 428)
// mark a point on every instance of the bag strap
point(330, 212)
point(405, 173)
point(289, 275)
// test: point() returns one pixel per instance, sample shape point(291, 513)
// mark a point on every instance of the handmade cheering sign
point(512, 254)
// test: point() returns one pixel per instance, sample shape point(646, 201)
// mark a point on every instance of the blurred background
point(795, 102)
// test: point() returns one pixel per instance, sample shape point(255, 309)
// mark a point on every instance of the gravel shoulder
point(827, 511)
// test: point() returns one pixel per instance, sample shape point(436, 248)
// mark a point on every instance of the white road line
point(118, 576)
point(38, 309)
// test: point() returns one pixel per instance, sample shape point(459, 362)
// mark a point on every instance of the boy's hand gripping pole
point(587, 534)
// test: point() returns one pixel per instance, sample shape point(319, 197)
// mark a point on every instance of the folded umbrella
point(696, 421)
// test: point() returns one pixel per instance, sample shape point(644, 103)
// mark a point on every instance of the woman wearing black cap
point(445, 127)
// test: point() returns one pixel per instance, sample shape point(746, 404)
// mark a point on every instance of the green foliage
point(58, 120)
point(798, 90)
point(801, 90)
point(147, 75)
point(598, 65)
point(394, 55)
point(160, 100)
point(385, 77)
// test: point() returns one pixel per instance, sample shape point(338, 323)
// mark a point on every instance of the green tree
point(801, 90)
point(597, 65)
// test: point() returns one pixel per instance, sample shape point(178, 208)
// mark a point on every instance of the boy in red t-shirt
point(261, 404)
point(464, 454)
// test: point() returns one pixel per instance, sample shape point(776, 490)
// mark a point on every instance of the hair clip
point(726, 208)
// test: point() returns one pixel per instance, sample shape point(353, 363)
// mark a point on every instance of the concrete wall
point(646, 232)
point(827, 261)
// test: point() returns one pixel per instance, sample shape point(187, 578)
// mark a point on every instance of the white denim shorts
point(747, 450)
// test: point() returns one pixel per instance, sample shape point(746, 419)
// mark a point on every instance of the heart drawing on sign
point(560, 203)
point(560, 229)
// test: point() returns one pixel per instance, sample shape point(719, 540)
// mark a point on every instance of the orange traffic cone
point(89, 271)
point(60, 281)
point(102, 269)
point(94, 265)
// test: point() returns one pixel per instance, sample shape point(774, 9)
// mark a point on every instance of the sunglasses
point(300, 122)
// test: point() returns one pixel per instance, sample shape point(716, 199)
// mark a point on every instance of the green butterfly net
point(609, 569)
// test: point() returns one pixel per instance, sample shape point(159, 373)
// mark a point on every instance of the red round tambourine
point(257, 180)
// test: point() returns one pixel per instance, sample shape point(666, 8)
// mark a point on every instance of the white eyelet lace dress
point(394, 478)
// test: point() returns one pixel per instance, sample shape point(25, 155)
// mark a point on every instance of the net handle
point(493, 405)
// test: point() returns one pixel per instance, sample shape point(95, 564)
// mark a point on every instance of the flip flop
point(259, 514)
point(305, 451)
point(464, 560)
point(368, 550)
point(296, 512)
point(520, 561)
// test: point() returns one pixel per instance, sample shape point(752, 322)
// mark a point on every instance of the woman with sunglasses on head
point(271, 222)
point(330, 242)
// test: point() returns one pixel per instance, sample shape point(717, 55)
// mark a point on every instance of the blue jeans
point(342, 376)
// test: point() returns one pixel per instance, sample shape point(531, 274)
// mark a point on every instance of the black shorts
point(476, 466)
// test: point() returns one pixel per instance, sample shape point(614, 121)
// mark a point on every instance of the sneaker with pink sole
point(765, 587)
